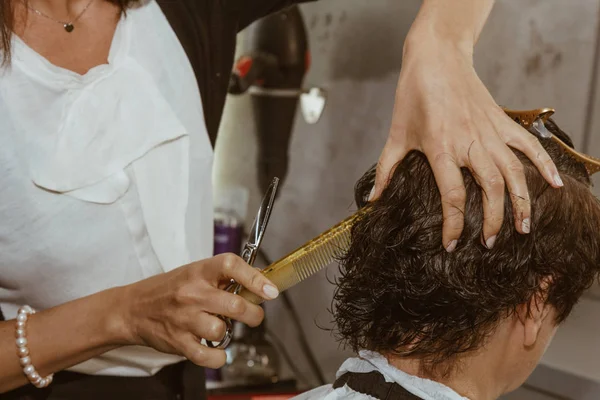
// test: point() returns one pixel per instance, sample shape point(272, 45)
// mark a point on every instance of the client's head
point(443, 315)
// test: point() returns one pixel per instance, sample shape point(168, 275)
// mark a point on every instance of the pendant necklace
point(69, 26)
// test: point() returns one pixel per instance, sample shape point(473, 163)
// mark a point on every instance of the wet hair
point(401, 293)
point(7, 22)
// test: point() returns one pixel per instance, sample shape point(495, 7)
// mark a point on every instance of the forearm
point(458, 22)
point(63, 336)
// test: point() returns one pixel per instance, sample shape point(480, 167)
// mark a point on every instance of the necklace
point(69, 26)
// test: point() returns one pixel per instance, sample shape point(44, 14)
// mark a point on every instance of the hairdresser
point(108, 113)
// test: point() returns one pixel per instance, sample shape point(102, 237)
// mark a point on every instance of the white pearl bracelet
point(23, 350)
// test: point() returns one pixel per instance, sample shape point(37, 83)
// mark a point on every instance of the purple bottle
point(228, 233)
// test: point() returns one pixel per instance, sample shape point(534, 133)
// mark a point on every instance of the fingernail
point(526, 225)
point(451, 246)
point(490, 242)
point(558, 181)
point(372, 194)
point(271, 291)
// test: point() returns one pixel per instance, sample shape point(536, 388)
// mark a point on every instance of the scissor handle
point(249, 254)
point(226, 339)
point(234, 288)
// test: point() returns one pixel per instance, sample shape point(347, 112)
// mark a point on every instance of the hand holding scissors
point(249, 253)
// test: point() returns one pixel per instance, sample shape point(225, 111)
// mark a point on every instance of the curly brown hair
point(401, 293)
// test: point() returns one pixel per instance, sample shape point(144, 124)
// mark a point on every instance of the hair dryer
point(273, 72)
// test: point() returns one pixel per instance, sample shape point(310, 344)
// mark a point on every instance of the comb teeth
point(308, 259)
point(313, 261)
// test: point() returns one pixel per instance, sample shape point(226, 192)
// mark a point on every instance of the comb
point(526, 119)
point(308, 259)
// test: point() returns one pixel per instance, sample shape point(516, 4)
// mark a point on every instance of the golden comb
point(308, 259)
point(526, 119)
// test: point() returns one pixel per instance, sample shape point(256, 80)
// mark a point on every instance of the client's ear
point(533, 315)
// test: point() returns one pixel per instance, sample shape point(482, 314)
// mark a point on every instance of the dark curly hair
point(401, 293)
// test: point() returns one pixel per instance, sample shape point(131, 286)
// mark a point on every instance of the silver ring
point(226, 339)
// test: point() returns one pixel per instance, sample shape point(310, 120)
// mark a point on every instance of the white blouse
point(105, 178)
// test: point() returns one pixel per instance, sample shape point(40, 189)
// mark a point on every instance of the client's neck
point(476, 377)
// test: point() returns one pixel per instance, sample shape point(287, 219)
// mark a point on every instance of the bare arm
point(170, 312)
point(457, 21)
point(443, 109)
point(63, 336)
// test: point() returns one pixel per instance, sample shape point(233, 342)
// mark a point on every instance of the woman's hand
point(443, 109)
point(172, 312)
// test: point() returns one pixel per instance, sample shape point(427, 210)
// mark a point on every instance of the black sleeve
point(249, 11)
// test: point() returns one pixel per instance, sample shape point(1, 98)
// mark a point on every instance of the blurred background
point(532, 54)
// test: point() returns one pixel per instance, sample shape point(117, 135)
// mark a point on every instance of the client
point(471, 324)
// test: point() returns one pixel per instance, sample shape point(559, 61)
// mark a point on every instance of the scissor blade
point(262, 217)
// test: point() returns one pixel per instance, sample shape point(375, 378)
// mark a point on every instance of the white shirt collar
point(426, 389)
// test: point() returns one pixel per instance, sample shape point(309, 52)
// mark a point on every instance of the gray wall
point(531, 54)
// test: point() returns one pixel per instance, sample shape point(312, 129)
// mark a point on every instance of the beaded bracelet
point(23, 351)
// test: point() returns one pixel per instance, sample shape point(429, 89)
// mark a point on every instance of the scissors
point(249, 253)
